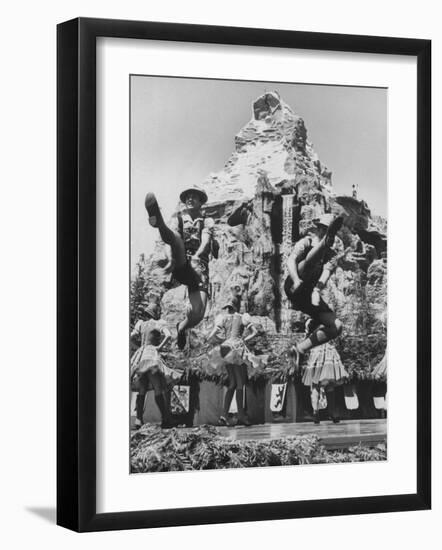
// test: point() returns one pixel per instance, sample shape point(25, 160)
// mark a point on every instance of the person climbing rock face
point(309, 267)
point(190, 238)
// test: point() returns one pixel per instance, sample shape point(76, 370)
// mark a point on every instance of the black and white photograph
point(258, 274)
point(220, 240)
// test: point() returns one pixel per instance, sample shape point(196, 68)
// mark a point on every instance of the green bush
point(203, 448)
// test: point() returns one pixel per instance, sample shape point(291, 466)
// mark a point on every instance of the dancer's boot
point(242, 417)
point(153, 210)
point(139, 410)
point(331, 407)
point(332, 229)
point(224, 418)
point(166, 421)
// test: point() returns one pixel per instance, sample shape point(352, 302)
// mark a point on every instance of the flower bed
point(203, 448)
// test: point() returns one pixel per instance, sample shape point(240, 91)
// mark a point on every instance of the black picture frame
point(76, 273)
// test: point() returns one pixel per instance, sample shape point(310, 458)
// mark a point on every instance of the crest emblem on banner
point(179, 399)
point(277, 397)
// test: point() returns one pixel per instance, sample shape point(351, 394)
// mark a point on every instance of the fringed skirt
point(147, 360)
point(234, 352)
point(380, 370)
point(324, 367)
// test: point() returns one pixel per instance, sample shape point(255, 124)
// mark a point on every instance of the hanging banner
point(179, 399)
point(234, 406)
point(380, 402)
point(351, 397)
point(322, 399)
point(277, 397)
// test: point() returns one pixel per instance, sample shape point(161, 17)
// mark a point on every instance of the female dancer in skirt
point(324, 371)
point(148, 370)
point(380, 371)
point(233, 355)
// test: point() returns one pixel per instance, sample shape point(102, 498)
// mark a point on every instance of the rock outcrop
point(266, 197)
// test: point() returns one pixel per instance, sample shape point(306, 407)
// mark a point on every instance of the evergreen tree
point(138, 291)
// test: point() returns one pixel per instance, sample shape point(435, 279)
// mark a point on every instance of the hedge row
point(203, 448)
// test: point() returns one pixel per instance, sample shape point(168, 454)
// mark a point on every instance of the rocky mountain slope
point(266, 197)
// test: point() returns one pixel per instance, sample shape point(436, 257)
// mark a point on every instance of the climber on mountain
point(190, 238)
point(309, 267)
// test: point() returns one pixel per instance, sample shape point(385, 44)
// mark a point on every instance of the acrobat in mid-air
point(190, 240)
point(309, 267)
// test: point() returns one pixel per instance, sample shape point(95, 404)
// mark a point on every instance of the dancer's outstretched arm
point(205, 240)
point(292, 268)
point(250, 326)
point(206, 236)
point(316, 293)
point(137, 329)
point(327, 270)
point(325, 276)
point(218, 326)
point(166, 337)
point(253, 333)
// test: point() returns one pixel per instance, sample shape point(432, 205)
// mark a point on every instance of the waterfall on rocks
point(286, 247)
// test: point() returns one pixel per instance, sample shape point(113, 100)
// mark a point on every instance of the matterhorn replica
point(266, 197)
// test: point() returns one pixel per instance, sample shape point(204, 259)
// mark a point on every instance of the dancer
point(233, 355)
point(190, 238)
point(309, 268)
point(379, 373)
point(324, 371)
point(148, 370)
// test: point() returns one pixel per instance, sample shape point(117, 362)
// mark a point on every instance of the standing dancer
point(309, 268)
point(148, 370)
point(190, 237)
point(324, 371)
point(233, 354)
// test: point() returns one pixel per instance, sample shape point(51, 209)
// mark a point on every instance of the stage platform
point(333, 436)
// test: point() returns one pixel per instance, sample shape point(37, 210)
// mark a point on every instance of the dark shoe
point(139, 408)
point(167, 424)
point(242, 416)
point(316, 419)
point(222, 421)
point(332, 407)
point(153, 210)
point(166, 421)
point(332, 229)
point(243, 421)
point(180, 338)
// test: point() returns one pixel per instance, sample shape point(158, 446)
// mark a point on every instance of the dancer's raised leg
point(168, 235)
point(330, 327)
point(223, 420)
point(241, 376)
point(315, 255)
point(194, 315)
point(314, 396)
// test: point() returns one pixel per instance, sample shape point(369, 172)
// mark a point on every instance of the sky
point(183, 128)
